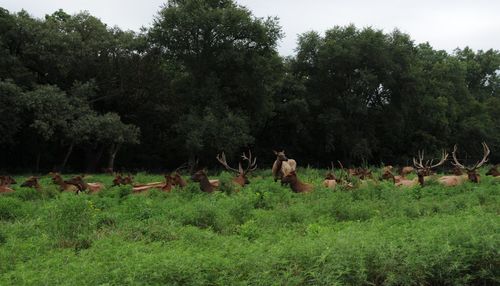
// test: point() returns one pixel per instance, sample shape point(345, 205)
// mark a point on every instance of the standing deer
point(282, 166)
point(296, 185)
point(472, 174)
point(241, 178)
point(424, 170)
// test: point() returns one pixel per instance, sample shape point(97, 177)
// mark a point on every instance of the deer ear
point(275, 153)
point(283, 151)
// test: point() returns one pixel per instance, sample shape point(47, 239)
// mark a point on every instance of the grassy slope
point(262, 235)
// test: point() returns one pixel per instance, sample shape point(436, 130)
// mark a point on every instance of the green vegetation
point(262, 235)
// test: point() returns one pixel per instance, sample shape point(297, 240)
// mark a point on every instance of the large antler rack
point(252, 165)
point(223, 161)
point(486, 153)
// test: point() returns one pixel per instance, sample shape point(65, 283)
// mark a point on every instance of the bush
point(70, 220)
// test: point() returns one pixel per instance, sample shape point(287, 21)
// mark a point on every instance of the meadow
point(262, 235)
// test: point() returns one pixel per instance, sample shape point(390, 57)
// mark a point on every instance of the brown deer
point(206, 185)
point(406, 170)
point(296, 185)
point(241, 178)
point(164, 186)
point(330, 179)
point(32, 182)
point(493, 171)
point(472, 174)
point(425, 169)
point(84, 186)
point(121, 180)
point(7, 181)
point(65, 186)
point(282, 166)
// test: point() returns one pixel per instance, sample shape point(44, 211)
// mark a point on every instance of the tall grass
point(264, 234)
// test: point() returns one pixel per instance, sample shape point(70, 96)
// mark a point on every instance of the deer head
point(330, 175)
point(280, 156)
point(472, 171)
point(241, 177)
point(425, 169)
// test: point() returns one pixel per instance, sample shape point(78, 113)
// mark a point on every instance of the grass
point(262, 235)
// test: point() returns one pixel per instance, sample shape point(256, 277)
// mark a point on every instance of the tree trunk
point(112, 155)
point(92, 157)
point(66, 157)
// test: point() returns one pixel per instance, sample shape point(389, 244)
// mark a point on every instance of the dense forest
point(206, 77)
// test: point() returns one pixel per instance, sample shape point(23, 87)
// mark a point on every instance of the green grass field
point(262, 235)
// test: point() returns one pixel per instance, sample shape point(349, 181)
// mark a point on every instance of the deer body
point(296, 185)
point(452, 180)
point(64, 185)
point(493, 172)
point(282, 166)
point(205, 185)
point(31, 182)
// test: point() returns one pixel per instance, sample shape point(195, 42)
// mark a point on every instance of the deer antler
point(222, 160)
point(486, 153)
point(252, 165)
point(428, 164)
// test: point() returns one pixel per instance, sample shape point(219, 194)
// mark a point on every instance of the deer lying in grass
point(64, 186)
point(493, 172)
point(121, 180)
point(282, 166)
point(84, 186)
point(5, 182)
point(206, 185)
point(330, 179)
point(164, 186)
point(296, 185)
point(406, 170)
point(32, 182)
point(471, 175)
point(241, 178)
point(424, 170)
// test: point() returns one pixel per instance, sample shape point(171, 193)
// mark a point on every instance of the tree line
point(206, 77)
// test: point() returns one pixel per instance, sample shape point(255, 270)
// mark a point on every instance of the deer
point(282, 166)
point(32, 182)
point(5, 182)
point(472, 174)
point(330, 181)
point(241, 178)
point(406, 170)
point(84, 186)
point(493, 171)
point(65, 186)
point(121, 180)
point(424, 170)
point(296, 185)
point(166, 186)
point(206, 185)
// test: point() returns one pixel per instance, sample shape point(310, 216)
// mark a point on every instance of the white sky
point(445, 24)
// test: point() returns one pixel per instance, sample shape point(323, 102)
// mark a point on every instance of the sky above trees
point(446, 24)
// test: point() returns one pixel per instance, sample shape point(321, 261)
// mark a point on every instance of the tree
point(222, 58)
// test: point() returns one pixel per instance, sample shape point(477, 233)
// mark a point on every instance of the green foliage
point(264, 234)
point(70, 220)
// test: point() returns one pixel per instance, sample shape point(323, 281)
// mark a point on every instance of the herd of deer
point(284, 169)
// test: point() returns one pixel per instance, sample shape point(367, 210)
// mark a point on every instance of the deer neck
point(205, 185)
point(421, 179)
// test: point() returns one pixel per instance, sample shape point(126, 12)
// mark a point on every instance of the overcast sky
point(445, 24)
